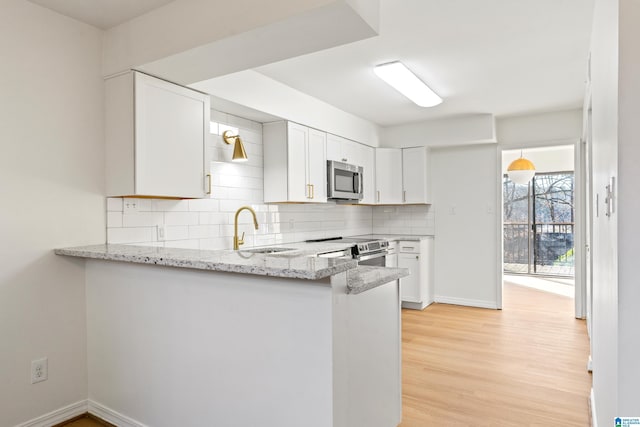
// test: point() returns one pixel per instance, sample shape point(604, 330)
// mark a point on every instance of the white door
point(317, 165)
point(414, 175)
point(170, 132)
point(410, 285)
point(299, 190)
point(388, 176)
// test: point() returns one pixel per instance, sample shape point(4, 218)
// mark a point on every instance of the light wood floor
point(524, 365)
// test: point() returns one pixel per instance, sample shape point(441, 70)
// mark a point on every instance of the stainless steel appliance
point(344, 181)
point(365, 251)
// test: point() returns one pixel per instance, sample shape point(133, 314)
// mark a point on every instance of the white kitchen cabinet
point(415, 178)
point(416, 289)
point(155, 137)
point(388, 176)
point(295, 165)
point(347, 151)
point(391, 260)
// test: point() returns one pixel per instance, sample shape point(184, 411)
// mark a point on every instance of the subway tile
point(142, 219)
point(183, 244)
point(203, 231)
point(114, 219)
point(203, 205)
point(176, 232)
point(213, 218)
point(141, 235)
point(181, 218)
point(162, 205)
point(114, 204)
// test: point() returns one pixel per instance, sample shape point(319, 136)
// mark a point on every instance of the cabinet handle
point(345, 160)
point(308, 191)
point(208, 183)
point(417, 256)
point(313, 191)
point(404, 196)
point(378, 196)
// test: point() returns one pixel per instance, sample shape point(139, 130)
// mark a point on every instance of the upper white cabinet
point(402, 176)
point(347, 151)
point(295, 163)
point(415, 179)
point(155, 137)
point(388, 176)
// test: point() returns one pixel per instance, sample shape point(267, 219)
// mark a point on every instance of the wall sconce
point(239, 155)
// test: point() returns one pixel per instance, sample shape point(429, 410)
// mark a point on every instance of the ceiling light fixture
point(239, 155)
point(397, 75)
point(521, 170)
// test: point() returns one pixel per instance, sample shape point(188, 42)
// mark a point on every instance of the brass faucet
point(240, 241)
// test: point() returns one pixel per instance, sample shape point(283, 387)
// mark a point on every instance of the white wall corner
point(114, 417)
point(57, 416)
point(462, 130)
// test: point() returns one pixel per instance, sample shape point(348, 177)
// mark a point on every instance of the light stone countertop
point(366, 277)
point(299, 263)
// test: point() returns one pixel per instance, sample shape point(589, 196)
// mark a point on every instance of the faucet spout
point(237, 241)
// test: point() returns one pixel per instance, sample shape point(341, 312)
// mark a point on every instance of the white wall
point(464, 130)
point(51, 169)
point(615, 87)
point(544, 129)
point(208, 223)
point(465, 200)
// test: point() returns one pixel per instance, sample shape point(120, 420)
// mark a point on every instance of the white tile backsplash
point(208, 223)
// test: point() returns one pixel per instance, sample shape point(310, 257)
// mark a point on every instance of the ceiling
point(502, 57)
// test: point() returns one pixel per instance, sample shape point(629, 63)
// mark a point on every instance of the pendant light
point(521, 170)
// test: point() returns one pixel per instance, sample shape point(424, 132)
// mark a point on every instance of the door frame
point(580, 223)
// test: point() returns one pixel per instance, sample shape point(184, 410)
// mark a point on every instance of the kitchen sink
point(268, 250)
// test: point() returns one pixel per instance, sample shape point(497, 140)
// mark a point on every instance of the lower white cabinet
point(417, 288)
point(391, 260)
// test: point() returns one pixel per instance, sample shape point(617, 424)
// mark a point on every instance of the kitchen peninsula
point(201, 338)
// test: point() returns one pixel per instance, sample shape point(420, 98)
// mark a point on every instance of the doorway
point(539, 224)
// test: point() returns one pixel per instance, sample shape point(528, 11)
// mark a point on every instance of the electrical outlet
point(291, 224)
point(130, 205)
point(39, 370)
point(162, 232)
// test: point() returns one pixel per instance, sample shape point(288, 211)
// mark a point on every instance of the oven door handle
point(373, 255)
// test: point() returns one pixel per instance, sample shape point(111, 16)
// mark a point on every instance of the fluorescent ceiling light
point(405, 82)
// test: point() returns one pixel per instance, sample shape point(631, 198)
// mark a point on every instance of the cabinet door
point(410, 285)
point(334, 148)
point(388, 176)
point(297, 138)
point(369, 173)
point(317, 165)
point(414, 175)
point(170, 129)
point(351, 152)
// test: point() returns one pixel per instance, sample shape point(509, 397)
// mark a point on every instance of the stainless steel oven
point(366, 251)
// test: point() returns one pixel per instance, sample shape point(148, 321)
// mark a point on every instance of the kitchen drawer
point(405, 247)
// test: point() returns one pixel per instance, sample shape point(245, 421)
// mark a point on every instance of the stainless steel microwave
point(344, 181)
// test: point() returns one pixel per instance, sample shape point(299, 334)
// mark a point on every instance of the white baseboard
point(57, 416)
point(592, 405)
point(108, 414)
point(466, 302)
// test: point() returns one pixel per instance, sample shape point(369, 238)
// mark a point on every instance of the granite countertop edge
point(212, 260)
point(364, 278)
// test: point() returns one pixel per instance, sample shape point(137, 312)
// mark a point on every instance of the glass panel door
point(539, 225)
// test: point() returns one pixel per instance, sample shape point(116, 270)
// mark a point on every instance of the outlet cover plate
point(39, 370)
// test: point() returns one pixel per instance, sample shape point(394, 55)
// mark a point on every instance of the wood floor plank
point(524, 365)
